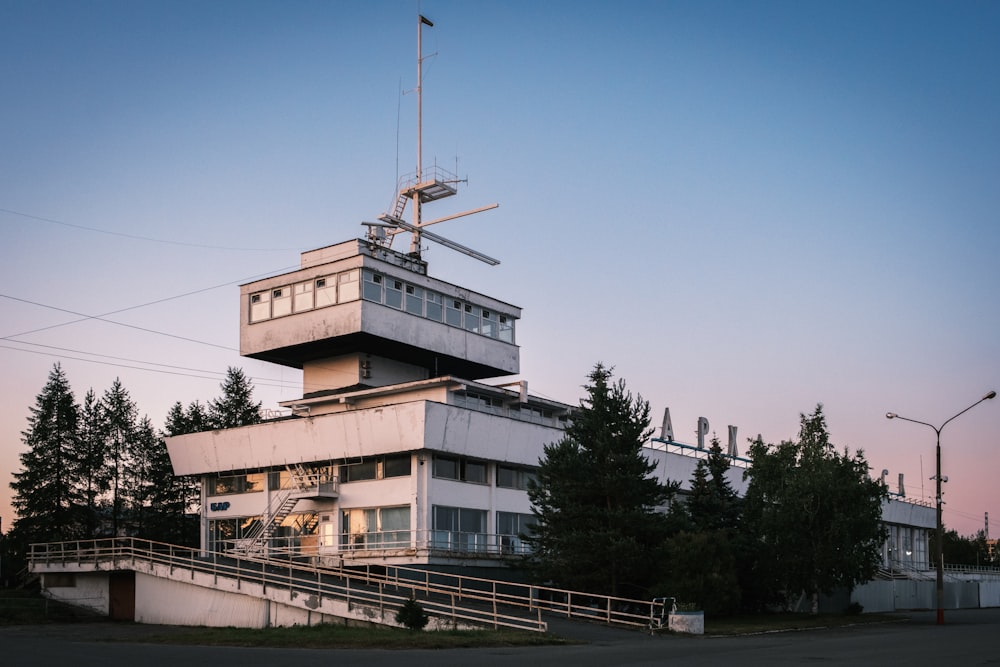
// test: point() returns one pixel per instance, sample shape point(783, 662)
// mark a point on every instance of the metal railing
point(454, 598)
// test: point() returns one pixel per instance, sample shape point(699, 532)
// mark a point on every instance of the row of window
point(352, 285)
point(431, 305)
point(306, 295)
point(453, 528)
point(379, 467)
point(495, 405)
point(472, 470)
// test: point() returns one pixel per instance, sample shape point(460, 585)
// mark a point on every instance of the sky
point(746, 208)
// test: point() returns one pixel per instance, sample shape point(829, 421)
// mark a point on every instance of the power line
point(137, 237)
point(121, 324)
point(143, 305)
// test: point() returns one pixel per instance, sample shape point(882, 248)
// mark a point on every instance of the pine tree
point(120, 439)
point(713, 503)
point(91, 472)
point(45, 499)
point(235, 407)
point(595, 497)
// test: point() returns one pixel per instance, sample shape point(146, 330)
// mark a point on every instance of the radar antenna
point(421, 187)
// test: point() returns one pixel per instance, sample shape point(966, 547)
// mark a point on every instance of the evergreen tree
point(815, 514)
point(192, 420)
point(703, 558)
point(595, 498)
point(45, 499)
point(713, 504)
point(235, 407)
point(91, 472)
point(175, 497)
point(120, 434)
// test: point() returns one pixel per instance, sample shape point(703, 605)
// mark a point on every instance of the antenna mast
point(415, 234)
point(421, 188)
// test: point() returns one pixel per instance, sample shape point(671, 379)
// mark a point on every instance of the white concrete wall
point(909, 514)
point(89, 592)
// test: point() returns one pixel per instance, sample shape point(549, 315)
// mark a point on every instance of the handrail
point(126, 552)
point(471, 590)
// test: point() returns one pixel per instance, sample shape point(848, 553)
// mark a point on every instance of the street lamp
point(938, 480)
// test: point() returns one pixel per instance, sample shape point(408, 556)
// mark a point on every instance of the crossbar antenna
point(423, 186)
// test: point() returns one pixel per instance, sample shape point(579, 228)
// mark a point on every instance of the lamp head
point(990, 395)
point(891, 415)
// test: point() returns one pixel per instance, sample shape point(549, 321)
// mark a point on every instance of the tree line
point(809, 522)
point(99, 469)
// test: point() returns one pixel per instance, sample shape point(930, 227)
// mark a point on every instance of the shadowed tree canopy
point(45, 491)
point(815, 513)
point(236, 406)
point(595, 497)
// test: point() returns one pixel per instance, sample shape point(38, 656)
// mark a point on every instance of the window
point(303, 297)
point(434, 306)
point(471, 318)
point(379, 467)
point(453, 313)
point(349, 288)
point(250, 483)
point(460, 469)
point(414, 300)
point(459, 529)
point(357, 472)
point(376, 528)
point(326, 292)
point(260, 306)
point(509, 477)
point(373, 287)
point(396, 466)
point(510, 527)
point(281, 302)
point(489, 324)
point(394, 293)
point(506, 329)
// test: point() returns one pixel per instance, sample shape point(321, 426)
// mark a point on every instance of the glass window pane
point(373, 287)
point(397, 466)
point(475, 471)
point(394, 293)
point(414, 300)
point(453, 313)
point(445, 467)
point(434, 306)
point(471, 318)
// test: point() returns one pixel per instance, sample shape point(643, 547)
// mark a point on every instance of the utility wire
point(121, 324)
point(141, 305)
point(137, 237)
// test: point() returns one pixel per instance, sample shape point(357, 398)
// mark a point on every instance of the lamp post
point(938, 480)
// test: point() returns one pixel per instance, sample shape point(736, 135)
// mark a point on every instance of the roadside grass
point(339, 636)
point(29, 608)
point(762, 623)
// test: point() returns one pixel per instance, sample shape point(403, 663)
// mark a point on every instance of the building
point(397, 449)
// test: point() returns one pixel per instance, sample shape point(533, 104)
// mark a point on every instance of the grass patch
point(339, 636)
point(745, 625)
point(27, 608)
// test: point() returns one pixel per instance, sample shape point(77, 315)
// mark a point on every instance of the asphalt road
point(969, 637)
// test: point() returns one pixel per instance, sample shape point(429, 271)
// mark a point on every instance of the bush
point(411, 615)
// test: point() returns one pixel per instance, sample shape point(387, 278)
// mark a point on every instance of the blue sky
point(746, 208)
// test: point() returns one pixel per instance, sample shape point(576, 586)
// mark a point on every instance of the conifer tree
point(45, 499)
point(91, 473)
point(236, 406)
point(595, 497)
point(120, 438)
